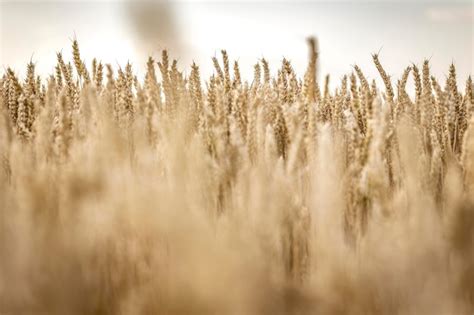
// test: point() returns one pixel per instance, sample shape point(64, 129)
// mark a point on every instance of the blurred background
point(404, 32)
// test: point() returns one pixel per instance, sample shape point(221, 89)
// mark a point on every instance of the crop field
point(171, 193)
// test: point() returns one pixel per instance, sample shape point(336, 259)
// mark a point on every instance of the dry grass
point(170, 195)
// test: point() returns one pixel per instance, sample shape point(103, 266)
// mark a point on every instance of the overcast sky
point(348, 32)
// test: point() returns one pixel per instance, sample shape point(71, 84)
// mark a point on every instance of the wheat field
point(170, 194)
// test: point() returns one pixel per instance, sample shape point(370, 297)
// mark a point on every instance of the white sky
point(348, 32)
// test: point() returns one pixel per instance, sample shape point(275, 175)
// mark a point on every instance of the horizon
point(441, 31)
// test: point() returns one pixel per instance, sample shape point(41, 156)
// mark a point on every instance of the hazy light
point(348, 33)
